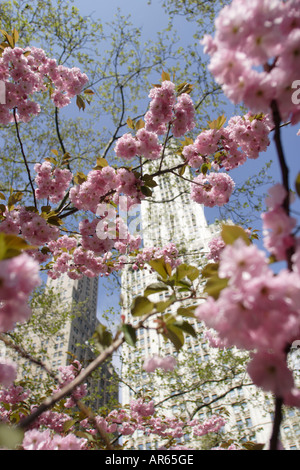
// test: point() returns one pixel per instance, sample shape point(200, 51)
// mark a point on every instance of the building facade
point(167, 216)
point(76, 302)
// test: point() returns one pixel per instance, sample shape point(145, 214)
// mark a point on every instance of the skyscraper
point(167, 216)
point(70, 338)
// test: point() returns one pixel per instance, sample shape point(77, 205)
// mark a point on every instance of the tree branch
point(24, 156)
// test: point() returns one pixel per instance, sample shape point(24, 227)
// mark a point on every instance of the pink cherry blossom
point(213, 189)
point(154, 362)
point(8, 372)
point(26, 72)
point(270, 372)
point(19, 276)
point(52, 183)
point(255, 56)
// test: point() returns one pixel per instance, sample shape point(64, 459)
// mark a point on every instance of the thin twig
point(286, 206)
point(49, 402)
point(21, 352)
point(276, 424)
point(58, 131)
point(24, 156)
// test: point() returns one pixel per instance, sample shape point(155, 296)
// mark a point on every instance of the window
point(249, 422)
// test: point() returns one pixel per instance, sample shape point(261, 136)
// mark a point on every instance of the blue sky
point(150, 19)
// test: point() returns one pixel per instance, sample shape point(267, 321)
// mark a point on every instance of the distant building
point(71, 342)
point(183, 222)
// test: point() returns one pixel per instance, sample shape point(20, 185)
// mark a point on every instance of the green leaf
point(165, 76)
point(129, 334)
point(46, 209)
point(175, 335)
point(185, 326)
point(130, 123)
point(205, 167)
point(230, 233)
point(217, 123)
point(146, 191)
point(185, 270)
point(140, 124)
point(161, 267)
point(51, 160)
point(88, 92)
point(15, 35)
point(162, 305)
point(12, 245)
point(186, 311)
point(80, 177)
point(253, 446)
point(66, 157)
point(2, 196)
point(141, 306)
point(68, 424)
point(101, 162)
point(10, 437)
point(184, 88)
point(54, 220)
point(215, 285)
point(182, 170)
point(13, 198)
point(102, 337)
point(80, 102)
point(149, 181)
point(154, 288)
point(10, 40)
point(211, 269)
point(259, 117)
point(297, 184)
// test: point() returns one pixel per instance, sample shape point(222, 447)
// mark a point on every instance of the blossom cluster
point(144, 144)
point(169, 253)
point(67, 375)
point(28, 71)
point(35, 439)
point(104, 185)
point(141, 416)
point(214, 424)
point(255, 56)
point(8, 372)
point(165, 109)
point(277, 224)
point(257, 311)
point(52, 183)
point(30, 225)
point(166, 363)
point(229, 147)
point(215, 245)
point(80, 256)
point(19, 276)
point(48, 431)
point(213, 189)
point(12, 395)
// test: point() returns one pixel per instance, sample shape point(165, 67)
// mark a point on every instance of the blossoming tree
point(254, 57)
